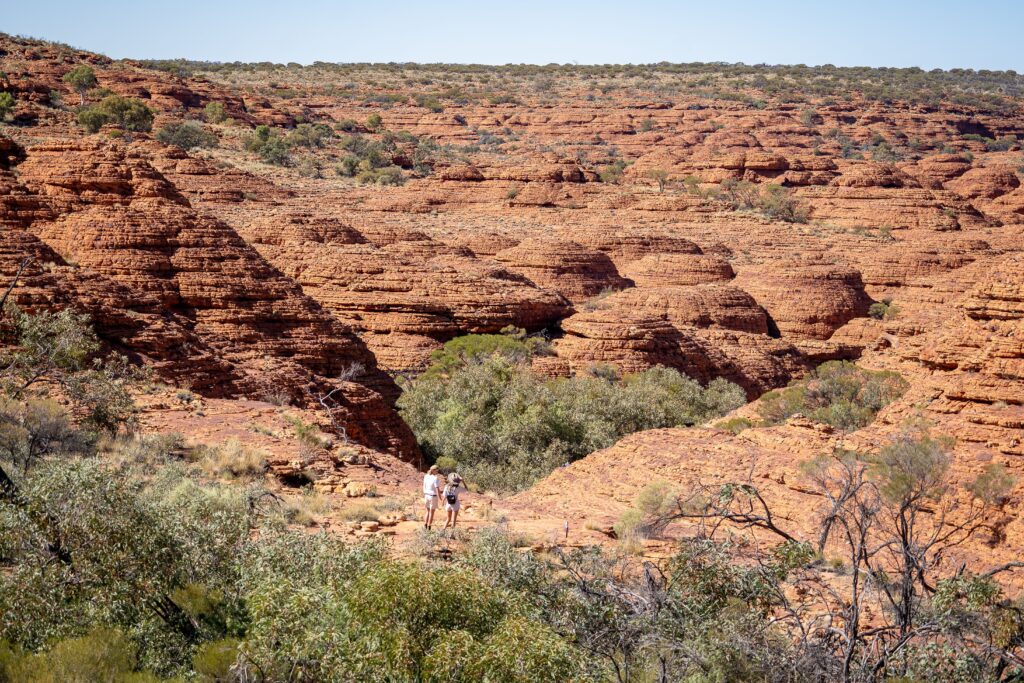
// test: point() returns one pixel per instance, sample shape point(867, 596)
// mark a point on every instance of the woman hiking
point(452, 505)
point(431, 495)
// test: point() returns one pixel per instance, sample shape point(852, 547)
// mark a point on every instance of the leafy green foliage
point(480, 405)
point(59, 347)
point(270, 146)
point(838, 393)
point(215, 113)
point(883, 310)
point(310, 135)
point(187, 135)
point(6, 105)
point(127, 113)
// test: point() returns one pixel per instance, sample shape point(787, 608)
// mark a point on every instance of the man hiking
point(431, 495)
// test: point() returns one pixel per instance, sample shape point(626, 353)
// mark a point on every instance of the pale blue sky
point(980, 34)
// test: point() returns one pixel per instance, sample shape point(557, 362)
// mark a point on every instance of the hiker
point(431, 494)
point(451, 499)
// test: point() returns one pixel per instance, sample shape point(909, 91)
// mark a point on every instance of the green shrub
point(186, 135)
point(374, 122)
point(391, 175)
point(883, 310)
point(212, 661)
point(735, 425)
point(430, 103)
point(309, 135)
point(838, 393)
point(215, 113)
point(103, 654)
point(481, 405)
point(6, 105)
point(270, 146)
point(92, 119)
point(126, 113)
point(348, 167)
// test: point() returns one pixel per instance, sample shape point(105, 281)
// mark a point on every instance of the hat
point(432, 468)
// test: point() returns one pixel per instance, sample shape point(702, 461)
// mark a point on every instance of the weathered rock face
point(807, 301)
point(704, 331)
point(672, 270)
point(407, 298)
point(625, 246)
point(567, 267)
point(198, 301)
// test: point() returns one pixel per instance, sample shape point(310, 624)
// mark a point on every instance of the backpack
point(451, 496)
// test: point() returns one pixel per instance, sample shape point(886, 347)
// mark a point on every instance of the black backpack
point(451, 496)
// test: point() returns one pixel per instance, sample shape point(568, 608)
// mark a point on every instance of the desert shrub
point(310, 167)
point(659, 176)
point(35, 429)
point(1000, 145)
point(306, 508)
point(213, 660)
point(430, 102)
point(773, 201)
point(102, 654)
point(93, 548)
point(6, 105)
point(374, 122)
point(347, 126)
point(142, 454)
point(506, 427)
point(513, 344)
point(231, 460)
point(735, 425)
point(347, 167)
point(612, 173)
point(127, 113)
point(92, 119)
point(61, 347)
point(186, 135)
point(390, 175)
point(883, 310)
point(214, 112)
point(270, 146)
point(838, 393)
point(309, 135)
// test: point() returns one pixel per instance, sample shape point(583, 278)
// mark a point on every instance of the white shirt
point(431, 482)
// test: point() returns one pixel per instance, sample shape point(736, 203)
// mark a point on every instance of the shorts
point(430, 502)
point(452, 507)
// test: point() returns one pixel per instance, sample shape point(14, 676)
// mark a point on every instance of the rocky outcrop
point(806, 301)
point(673, 270)
point(567, 267)
point(211, 311)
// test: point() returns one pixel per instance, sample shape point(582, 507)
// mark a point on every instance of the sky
point(979, 34)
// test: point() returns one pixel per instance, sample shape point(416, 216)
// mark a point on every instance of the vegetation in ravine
point(480, 407)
